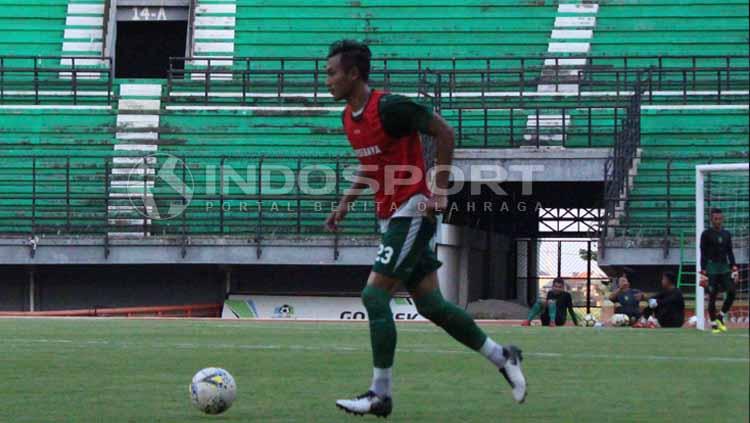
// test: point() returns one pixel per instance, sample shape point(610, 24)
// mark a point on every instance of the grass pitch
point(115, 370)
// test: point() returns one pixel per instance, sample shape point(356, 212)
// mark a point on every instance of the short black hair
point(715, 210)
point(558, 280)
point(353, 53)
point(670, 277)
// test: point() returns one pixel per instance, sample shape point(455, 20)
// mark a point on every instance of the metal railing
point(228, 195)
point(55, 80)
point(462, 82)
point(508, 127)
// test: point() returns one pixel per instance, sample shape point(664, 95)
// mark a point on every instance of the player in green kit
point(384, 130)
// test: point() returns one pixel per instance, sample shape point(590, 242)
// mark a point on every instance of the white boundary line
point(362, 350)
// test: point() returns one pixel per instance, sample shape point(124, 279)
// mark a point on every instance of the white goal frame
point(700, 173)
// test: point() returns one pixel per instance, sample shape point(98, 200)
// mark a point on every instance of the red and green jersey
point(385, 134)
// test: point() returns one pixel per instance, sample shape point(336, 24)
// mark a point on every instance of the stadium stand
point(32, 27)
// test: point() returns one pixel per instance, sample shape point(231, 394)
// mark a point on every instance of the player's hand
point(735, 274)
point(704, 279)
point(333, 219)
point(436, 205)
point(652, 303)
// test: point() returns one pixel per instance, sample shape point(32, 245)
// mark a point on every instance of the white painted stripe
point(67, 61)
point(133, 160)
point(578, 61)
point(136, 147)
point(228, 21)
point(85, 8)
point(214, 62)
point(139, 104)
point(145, 90)
point(578, 8)
point(542, 137)
point(572, 33)
point(84, 21)
point(214, 47)
point(569, 47)
point(548, 121)
point(132, 184)
point(354, 349)
point(561, 72)
point(215, 34)
point(137, 121)
point(86, 46)
point(82, 75)
point(557, 88)
point(138, 171)
point(142, 136)
point(216, 8)
point(411, 236)
point(565, 22)
point(83, 33)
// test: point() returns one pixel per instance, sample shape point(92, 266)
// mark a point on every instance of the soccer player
point(555, 308)
point(668, 306)
point(628, 298)
point(718, 268)
point(384, 130)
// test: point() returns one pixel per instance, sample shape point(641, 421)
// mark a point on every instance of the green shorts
point(720, 282)
point(406, 250)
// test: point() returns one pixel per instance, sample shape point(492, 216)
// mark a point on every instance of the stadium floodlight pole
point(700, 171)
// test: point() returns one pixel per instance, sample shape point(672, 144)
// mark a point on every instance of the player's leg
point(545, 318)
point(552, 312)
point(376, 297)
point(730, 291)
point(387, 271)
point(536, 310)
point(458, 324)
point(713, 292)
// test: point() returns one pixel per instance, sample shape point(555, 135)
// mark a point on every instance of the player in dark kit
point(718, 269)
point(384, 130)
point(555, 308)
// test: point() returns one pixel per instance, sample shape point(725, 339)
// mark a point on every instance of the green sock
point(382, 329)
point(452, 319)
point(535, 311)
point(552, 310)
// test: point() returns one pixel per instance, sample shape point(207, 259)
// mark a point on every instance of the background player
point(668, 306)
point(555, 308)
point(384, 131)
point(718, 268)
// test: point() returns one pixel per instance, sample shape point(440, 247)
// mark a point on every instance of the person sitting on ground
point(668, 306)
point(628, 299)
point(555, 308)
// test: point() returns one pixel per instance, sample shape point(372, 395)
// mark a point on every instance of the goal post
point(707, 197)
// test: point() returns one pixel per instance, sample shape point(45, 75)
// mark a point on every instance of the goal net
point(724, 186)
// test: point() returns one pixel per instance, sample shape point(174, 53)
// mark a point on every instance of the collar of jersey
point(364, 109)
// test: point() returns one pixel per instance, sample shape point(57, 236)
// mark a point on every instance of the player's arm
point(730, 256)
point(445, 143)
point(614, 294)
point(360, 182)
point(704, 250)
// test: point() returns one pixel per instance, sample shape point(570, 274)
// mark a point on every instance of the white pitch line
point(366, 349)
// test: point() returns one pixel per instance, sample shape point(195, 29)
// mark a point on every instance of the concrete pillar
point(448, 251)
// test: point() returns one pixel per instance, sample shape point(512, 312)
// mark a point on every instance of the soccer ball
point(213, 390)
point(619, 320)
point(589, 320)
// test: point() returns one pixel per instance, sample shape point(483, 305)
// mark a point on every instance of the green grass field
point(138, 371)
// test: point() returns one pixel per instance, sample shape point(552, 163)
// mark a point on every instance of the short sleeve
point(401, 116)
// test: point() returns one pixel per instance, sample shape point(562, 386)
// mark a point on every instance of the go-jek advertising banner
point(309, 308)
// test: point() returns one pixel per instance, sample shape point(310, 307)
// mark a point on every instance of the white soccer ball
point(213, 390)
point(619, 320)
point(589, 320)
